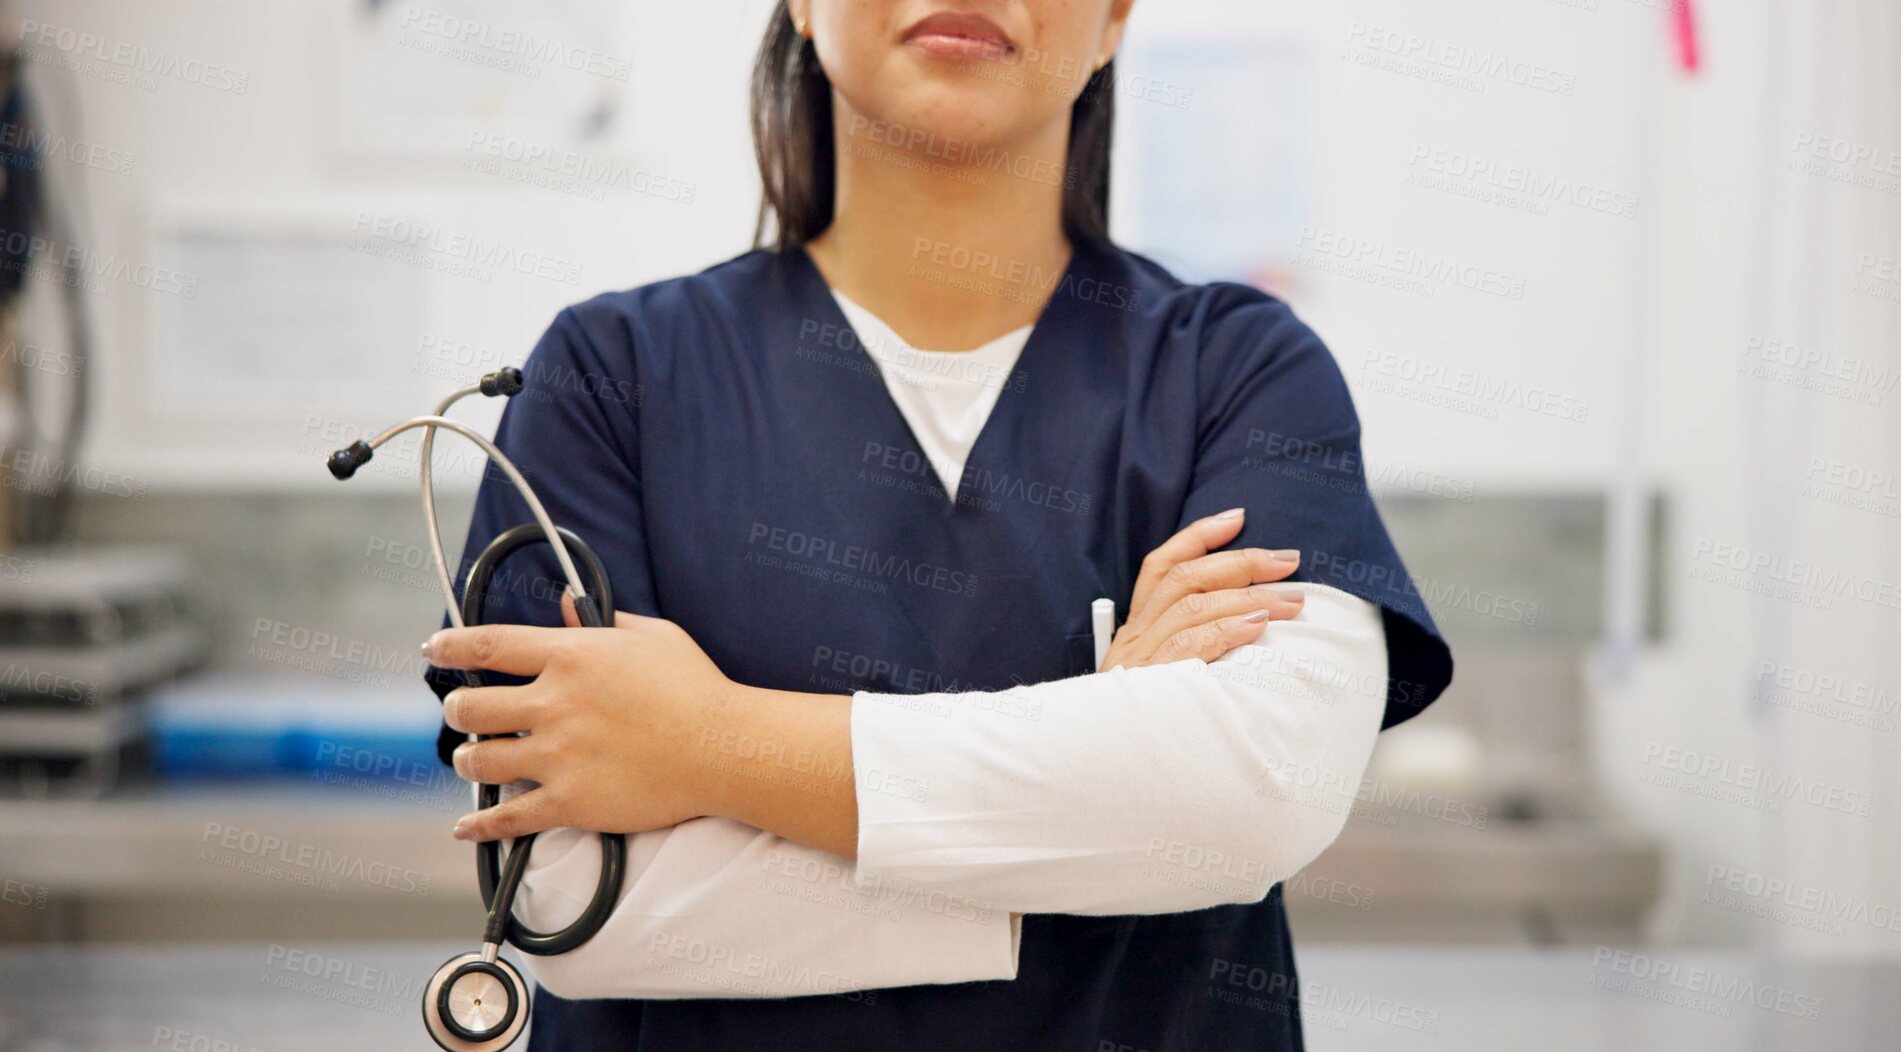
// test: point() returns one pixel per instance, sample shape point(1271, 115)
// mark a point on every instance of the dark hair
point(792, 138)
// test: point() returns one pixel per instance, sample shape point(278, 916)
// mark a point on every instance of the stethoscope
point(478, 1002)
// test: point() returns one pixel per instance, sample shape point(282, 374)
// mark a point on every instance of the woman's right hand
point(1189, 603)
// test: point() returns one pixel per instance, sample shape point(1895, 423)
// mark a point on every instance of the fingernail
point(462, 829)
point(1285, 555)
point(1231, 514)
point(429, 648)
point(1256, 617)
point(1283, 595)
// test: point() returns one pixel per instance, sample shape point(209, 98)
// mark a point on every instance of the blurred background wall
point(1616, 289)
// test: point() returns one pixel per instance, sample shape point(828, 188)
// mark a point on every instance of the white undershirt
point(1136, 791)
point(944, 395)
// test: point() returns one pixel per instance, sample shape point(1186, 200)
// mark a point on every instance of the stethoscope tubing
point(433, 422)
point(429, 518)
point(498, 878)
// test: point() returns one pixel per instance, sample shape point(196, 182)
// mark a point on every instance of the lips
point(960, 36)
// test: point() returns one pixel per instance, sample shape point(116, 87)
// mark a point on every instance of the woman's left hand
point(611, 722)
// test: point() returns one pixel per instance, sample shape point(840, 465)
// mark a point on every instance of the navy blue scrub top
point(728, 447)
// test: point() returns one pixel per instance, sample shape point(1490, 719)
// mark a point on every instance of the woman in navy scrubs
point(856, 491)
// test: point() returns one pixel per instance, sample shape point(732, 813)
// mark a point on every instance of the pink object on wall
point(1683, 16)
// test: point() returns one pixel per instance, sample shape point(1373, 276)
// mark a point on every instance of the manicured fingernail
point(429, 647)
point(1283, 595)
point(1256, 617)
point(1285, 555)
point(1231, 514)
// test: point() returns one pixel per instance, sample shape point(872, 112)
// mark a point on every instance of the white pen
point(1102, 621)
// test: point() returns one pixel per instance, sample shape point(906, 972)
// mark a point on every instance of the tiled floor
point(347, 996)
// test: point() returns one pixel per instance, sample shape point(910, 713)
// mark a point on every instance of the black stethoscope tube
point(499, 879)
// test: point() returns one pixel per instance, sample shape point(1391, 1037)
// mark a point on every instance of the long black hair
point(792, 139)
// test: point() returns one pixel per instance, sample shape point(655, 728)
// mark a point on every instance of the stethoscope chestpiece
point(473, 1004)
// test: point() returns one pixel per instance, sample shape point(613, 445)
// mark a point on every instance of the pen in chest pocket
point(1102, 623)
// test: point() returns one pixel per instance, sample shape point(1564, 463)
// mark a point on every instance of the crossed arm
point(1166, 783)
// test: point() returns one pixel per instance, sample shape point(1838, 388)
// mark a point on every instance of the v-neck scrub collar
point(945, 396)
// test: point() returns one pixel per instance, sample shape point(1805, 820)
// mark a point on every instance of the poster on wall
point(420, 78)
point(283, 315)
point(1221, 155)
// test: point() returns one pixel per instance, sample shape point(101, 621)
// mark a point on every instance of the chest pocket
point(1080, 654)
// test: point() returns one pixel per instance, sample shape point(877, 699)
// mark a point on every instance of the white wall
point(1572, 262)
point(1728, 244)
point(1756, 248)
point(1648, 319)
point(273, 159)
point(274, 156)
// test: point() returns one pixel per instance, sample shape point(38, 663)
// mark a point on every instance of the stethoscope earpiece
point(344, 462)
point(475, 1004)
point(506, 382)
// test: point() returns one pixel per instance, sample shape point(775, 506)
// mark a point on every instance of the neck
point(950, 243)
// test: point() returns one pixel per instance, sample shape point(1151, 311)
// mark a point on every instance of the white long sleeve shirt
point(1136, 791)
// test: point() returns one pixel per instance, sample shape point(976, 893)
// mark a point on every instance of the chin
point(966, 108)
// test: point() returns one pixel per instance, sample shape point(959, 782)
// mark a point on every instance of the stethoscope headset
point(478, 1002)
